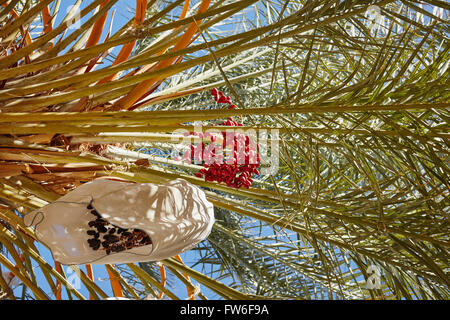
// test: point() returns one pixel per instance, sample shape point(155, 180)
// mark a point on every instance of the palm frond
point(355, 93)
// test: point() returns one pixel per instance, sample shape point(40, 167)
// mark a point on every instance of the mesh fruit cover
point(107, 221)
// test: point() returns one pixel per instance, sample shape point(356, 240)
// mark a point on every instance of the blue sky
point(124, 11)
point(100, 276)
point(123, 14)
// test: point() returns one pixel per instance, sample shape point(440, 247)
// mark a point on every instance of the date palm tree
point(355, 96)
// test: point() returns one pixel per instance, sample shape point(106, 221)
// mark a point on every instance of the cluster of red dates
point(244, 160)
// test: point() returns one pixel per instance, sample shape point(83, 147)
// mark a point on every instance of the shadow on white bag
point(108, 221)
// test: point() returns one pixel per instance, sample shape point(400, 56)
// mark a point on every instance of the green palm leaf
point(358, 94)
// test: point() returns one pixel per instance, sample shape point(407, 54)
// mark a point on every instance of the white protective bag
point(175, 216)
